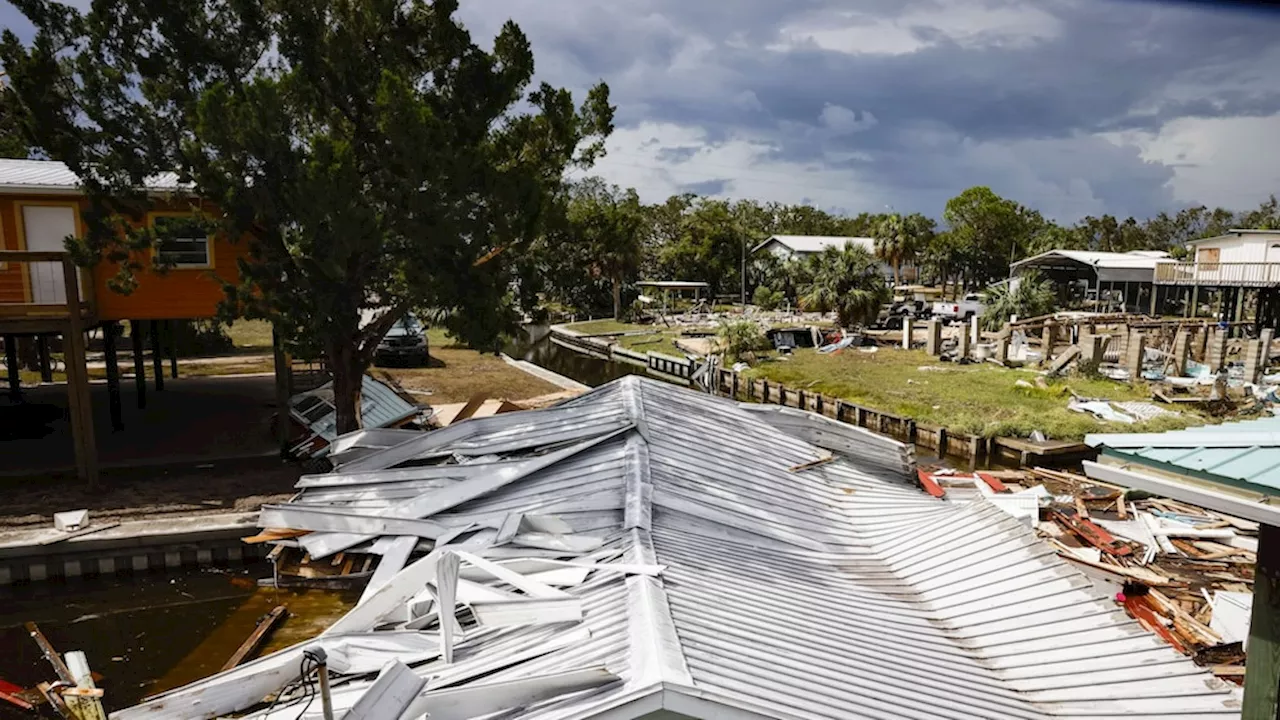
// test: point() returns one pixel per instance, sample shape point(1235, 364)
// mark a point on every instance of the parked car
point(962, 309)
point(892, 314)
point(405, 343)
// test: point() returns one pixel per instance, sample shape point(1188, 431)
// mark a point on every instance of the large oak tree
point(374, 157)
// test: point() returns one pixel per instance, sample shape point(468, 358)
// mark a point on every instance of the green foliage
point(900, 239)
point(14, 136)
point(371, 152)
point(741, 339)
point(846, 280)
point(766, 298)
point(987, 233)
point(1032, 296)
point(600, 247)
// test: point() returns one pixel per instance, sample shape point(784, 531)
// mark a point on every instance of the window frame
point(157, 252)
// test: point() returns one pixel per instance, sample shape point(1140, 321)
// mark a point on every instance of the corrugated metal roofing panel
point(838, 591)
point(818, 243)
point(35, 175)
point(1238, 452)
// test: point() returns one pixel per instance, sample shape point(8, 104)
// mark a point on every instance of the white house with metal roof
point(1229, 273)
point(799, 247)
point(734, 562)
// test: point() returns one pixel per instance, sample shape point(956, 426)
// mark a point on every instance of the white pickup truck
point(962, 309)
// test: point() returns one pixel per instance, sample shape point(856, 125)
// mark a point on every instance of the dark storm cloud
point(706, 187)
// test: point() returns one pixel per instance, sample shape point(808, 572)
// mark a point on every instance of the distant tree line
point(606, 240)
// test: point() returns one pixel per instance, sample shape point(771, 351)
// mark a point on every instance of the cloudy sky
point(1075, 107)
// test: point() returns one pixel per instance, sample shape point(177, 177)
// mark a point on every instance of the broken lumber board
point(55, 700)
point(46, 649)
point(811, 464)
point(1141, 611)
point(992, 482)
point(1063, 360)
point(254, 641)
point(15, 700)
point(78, 533)
point(85, 699)
point(930, 486)
point(272, 535)
point(1091, 533)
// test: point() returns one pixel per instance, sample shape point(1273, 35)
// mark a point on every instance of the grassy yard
point(982, 398)
point(457, 373)
point(250, 335)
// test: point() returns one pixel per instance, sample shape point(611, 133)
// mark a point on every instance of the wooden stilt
point(109, 331)
point(157, 355)
point(139, 364)
point(78, 401)
point(1262, 667)
point(11, 367)
point(46, 367)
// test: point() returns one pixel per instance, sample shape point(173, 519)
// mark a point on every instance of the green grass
point(607, 326)
point(980, 399)
point(250, 334)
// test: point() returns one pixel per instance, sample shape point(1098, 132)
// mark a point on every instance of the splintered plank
point(254, 641)
point(46, 649)
point(273, 534)
point(930, 486)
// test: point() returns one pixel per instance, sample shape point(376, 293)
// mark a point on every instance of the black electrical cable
point(306, 669)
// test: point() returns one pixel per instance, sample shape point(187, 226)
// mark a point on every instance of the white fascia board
point(304, 517)
point(390, 597)
point(480, 699)
point(394, 558)
point(1195, 494)
point(390, 695)
point(532, 588)
point(526, 611)
point(1175, 439)
point(697, 703)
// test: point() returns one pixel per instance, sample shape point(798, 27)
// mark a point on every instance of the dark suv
point(405, 343)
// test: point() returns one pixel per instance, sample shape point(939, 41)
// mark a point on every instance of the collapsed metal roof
point(742, 561)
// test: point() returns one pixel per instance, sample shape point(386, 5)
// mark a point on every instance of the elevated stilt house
point(44, 297)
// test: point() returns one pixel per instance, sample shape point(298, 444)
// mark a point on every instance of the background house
point(1107, 281)
point(1231, 277)
point(787, 247)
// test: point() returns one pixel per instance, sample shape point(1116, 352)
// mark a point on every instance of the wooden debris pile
point(74, 695)
point(1183, 572)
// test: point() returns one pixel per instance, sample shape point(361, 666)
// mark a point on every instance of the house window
point(182, 242)
point(1208, 258)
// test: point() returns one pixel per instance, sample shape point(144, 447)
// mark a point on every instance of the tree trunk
point(897, 272)
point(348, 379)
point(617, 299)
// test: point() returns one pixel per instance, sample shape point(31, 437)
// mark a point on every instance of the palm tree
point(847, 281)
point(893, 243)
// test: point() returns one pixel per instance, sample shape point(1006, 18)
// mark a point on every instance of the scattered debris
point(1183, 572)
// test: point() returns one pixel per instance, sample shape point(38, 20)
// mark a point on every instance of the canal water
point(151, 632)
point(534, 345)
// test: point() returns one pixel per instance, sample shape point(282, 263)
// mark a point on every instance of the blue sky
point(1075, 107)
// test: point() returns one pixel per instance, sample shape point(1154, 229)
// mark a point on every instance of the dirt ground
point(150, 492)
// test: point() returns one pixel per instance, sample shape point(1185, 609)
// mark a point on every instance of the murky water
point(583, 368)
point(151, 632)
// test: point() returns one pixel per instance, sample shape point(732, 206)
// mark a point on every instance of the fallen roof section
point(740, 563)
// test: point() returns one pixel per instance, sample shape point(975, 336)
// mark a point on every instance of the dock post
point(933, 339)
point(962, 348)
point(1252, 365)
point(11, 365)
point(1181, 346)
point(113, 373)
point(1264, 354)
point(46, 366)
point(1136, 352)
point(1002, 350)
point(139, 363)
point(157, 355)
point(1262, 666)
point(1216, 354)
point(908, 328)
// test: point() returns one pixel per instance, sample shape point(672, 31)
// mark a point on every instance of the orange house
point(43, 295)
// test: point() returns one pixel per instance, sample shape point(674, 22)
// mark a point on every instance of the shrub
point(767, 298)
point(741, 339)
